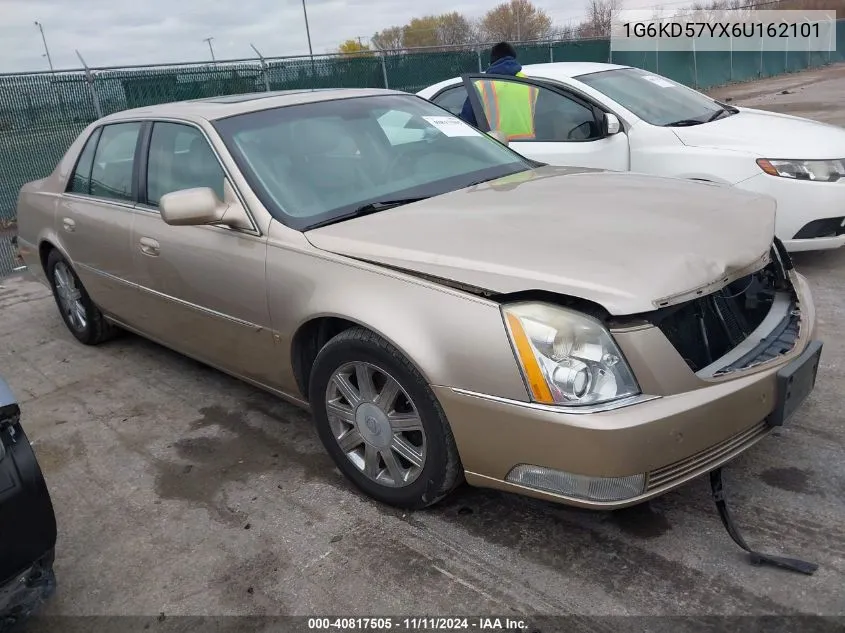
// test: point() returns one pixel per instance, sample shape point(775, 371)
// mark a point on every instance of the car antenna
point(792, 564)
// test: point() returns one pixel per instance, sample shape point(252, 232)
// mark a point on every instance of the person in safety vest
point(509, 106)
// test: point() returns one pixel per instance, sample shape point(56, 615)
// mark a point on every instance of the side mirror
point(499, 136)
point(200, 206)
point(611, 124)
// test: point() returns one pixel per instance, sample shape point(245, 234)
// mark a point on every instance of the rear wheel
point(81, 316)
point(381, 423)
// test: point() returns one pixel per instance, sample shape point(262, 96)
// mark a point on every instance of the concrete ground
point(815, 94)
point(181, 491)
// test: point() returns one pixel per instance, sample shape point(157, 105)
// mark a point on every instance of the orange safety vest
point(509, 107)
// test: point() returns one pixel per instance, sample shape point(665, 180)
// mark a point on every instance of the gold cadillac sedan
point(448, 309)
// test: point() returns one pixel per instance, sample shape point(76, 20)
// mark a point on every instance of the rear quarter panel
point(36, 217)
point(37, 207)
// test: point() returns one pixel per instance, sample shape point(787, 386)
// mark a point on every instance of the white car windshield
point(319, 162)
point(655, 99)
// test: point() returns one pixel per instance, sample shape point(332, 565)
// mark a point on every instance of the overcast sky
point(117, 32)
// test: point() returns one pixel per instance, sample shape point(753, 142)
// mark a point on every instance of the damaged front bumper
point(683, 425)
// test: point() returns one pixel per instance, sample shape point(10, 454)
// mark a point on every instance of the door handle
point(149, 246)
point(69, 225)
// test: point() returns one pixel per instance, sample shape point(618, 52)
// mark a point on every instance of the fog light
point(578, 486)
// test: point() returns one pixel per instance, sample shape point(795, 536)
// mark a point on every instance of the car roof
point(549, 70)
point(556, 70)
point(212, 108)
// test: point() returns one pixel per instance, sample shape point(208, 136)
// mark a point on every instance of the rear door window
point(80, 181)
point(111, 175)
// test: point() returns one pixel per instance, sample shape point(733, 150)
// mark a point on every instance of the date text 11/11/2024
point(418, 624)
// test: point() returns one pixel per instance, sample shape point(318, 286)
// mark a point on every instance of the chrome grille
point(704, 460)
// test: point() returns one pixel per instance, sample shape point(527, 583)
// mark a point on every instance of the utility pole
point(308, 35)
point(211, 49)
point(46, 50)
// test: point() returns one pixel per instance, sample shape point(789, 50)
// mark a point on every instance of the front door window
point(525, 112)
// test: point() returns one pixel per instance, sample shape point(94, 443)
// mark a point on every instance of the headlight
point(821, 170)
point(567, 357)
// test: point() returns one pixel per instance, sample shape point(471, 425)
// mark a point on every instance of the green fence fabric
point(42, 113)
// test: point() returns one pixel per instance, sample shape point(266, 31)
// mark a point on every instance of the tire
point(81, 316)
point(383, 425)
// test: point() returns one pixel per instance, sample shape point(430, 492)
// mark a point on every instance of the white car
point(626, 119)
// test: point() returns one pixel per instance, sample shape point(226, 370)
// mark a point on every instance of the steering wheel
point(585, 128)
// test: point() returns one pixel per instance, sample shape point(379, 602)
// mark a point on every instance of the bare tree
point(454, 29)
point(390, 39)
point(421, 32)
point(562, 32)
point(599, 20)
point(516, 21)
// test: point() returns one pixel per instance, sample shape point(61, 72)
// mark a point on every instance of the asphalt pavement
point(181, 491)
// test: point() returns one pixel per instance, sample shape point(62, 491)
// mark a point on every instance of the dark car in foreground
point(27, 521)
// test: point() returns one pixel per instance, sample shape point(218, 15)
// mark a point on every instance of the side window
point(452, 99)
point(534, 113)
point(180, 158)
point(111, 174)
point(80, 182)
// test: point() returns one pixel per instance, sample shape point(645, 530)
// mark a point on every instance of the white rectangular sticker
point(452, 126)
point(659, 81)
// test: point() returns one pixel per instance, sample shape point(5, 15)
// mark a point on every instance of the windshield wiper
point(367, 209)
point(723, 109)
point(382, 205)
point(718, 114)
point(685, 123)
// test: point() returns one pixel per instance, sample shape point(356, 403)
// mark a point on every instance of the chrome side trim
point(562, 408)
point(182, 302)
point(94, 199)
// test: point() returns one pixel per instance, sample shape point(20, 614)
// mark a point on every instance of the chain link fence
point(42, 113)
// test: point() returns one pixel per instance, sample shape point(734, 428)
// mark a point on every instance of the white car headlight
point(567, 358)
point(820, 170)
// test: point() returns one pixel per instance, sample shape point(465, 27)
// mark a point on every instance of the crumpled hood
point(768, 134)
point(624, 241)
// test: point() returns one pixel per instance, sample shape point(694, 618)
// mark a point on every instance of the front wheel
point(381, 423)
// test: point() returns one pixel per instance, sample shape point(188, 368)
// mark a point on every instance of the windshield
point(655, 99)
point(315, 162)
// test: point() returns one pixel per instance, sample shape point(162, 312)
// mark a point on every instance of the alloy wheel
point(70, 296)
point(376, 424)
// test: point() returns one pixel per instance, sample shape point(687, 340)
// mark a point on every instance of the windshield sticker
point(659, 81)
point(452, 126)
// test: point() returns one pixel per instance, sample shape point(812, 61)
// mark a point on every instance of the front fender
point(455, 339)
